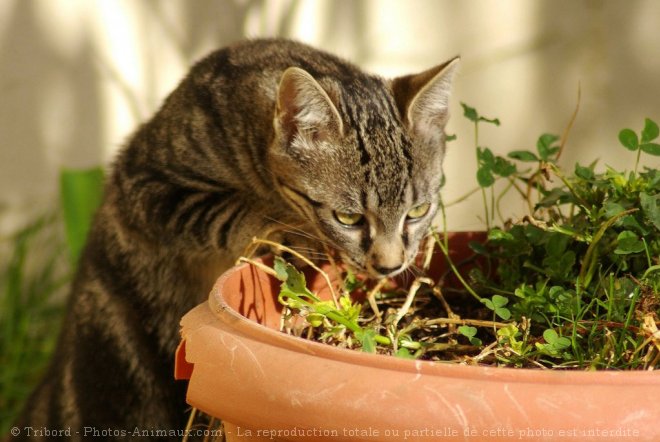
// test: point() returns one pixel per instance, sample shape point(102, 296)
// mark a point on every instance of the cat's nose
point(385, 271)
point(387, 255)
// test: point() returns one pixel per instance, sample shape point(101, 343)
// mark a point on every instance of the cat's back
point(256, 60)
point(226, 104)
point(245, 76)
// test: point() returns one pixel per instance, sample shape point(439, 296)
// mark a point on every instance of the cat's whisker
point(296, 230)
point(409, 275)
point(415, 270)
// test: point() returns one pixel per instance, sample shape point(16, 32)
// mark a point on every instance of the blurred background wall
point(77, 76)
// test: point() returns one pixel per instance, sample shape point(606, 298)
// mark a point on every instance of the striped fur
point(244, 145)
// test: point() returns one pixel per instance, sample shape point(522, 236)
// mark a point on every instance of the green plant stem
point(445, 251)
point(531, 266)
point(631, 310)
point(569, 126)
point(462, 198)
point(650, 270)
point(499, 200)
point(561, 176)
point(647, 252)
point(610, 298)
point(492, 203)
point(483, 191)
point(486, 214)
point(589, 262)
point(524, 195)
point(335, 316)
point(444, 227)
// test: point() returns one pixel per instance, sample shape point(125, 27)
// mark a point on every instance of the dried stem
point(417, 283)
point(191, 419)
point(283, 248)
point(260, 266)
point(459, 321)
point(567, 130)
point(371, 297)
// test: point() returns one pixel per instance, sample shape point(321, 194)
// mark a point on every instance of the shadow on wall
point(50, 105)
point(54, 111)
point(70, 104)
point(605, 46)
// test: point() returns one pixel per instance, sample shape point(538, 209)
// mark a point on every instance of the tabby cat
point(262, 136)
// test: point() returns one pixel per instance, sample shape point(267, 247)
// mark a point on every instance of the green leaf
point(293, 291)
point(467, 331)
point(81, 193)
point(470, 333)
point(315, 319)
point(555, 342)
point(485, 177)
point(651, 207)
point(562, 343)
point(500, 301)
point(503, 167)
point(567, 262)
point(651, 148)
point(555, 292)
point(650, 131)
point(544, 146)
point(478, 247)
point(628, 139)
point(612, 209)
point(449, 138)
point(557, 244)
point(280, 268)
point(628, 242)
point(503, 313)
point(494, 121)
point(485, 156)
point(295, 280)
point(586, 173)
point(510, 331)
point(351, 282)
point(496, 234)
point(470, 113)
point(550, 336)
point(367, 338)
point(523, 155)
point(534, 235)
point(404, 353)
point(522, 292)
point(653, 177)
point(630, 222)
point(555, 196)
point(496, 304)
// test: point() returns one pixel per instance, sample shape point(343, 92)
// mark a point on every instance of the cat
point(262, 136)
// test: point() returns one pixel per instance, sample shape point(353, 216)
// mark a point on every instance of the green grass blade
point(81, 192)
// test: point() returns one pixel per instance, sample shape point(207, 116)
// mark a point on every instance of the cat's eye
point(419, 211)
point(349, 219)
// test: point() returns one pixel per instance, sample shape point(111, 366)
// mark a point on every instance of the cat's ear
point(304, 108)
point(423, 99)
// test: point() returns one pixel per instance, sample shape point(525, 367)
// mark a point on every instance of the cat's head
point(361, 160)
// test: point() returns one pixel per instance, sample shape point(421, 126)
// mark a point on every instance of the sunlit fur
point(244, 146)
point(346, 146)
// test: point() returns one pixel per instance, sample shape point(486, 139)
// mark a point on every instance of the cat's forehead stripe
point(383, 148)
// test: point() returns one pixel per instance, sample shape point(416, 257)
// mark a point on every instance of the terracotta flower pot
point(269, 385)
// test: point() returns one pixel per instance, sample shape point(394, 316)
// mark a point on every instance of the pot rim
point(251, 329)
